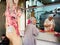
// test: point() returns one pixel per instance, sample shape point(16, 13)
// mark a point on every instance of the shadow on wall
point(2, 18)
point(57, 23)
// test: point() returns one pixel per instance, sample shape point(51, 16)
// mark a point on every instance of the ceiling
point(46, 2)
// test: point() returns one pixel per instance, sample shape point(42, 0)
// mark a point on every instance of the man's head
point(3, 36)
point(50, 17)
point(33, 20)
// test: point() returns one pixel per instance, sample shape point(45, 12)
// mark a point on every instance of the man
point(49, 23)
point(4, 40)
point(31, 32)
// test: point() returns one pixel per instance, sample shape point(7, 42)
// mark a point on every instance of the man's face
point(50, 18)
point(3, 37)
point(34, 21)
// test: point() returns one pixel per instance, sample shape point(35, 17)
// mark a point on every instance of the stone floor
point(47, 39)
point(39, 42)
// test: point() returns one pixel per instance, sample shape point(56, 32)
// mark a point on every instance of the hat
point(50, 15)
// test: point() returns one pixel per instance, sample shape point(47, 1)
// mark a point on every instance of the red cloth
point(29, 21)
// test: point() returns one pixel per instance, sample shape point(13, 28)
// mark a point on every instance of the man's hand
point(47, 25)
